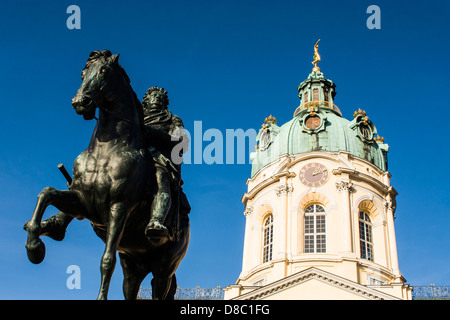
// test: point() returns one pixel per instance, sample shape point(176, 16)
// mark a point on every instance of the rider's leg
point(160, 205)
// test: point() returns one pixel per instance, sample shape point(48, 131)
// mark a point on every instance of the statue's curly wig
point(145, 100)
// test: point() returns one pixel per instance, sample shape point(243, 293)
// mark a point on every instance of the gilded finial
point(316, 57)
point(363, 114)
point(270, 119)
point(359, 112)
point(379, 139)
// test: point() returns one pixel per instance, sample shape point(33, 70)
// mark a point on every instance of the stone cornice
point(275, 178)
point(332, 156)
point(356, 175)
point(315, 273)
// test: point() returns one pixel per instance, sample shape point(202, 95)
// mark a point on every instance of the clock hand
point(317, 171)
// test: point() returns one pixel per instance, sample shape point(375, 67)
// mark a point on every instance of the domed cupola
point(318, 125)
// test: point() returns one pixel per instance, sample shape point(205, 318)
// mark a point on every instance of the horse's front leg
point(67, 201)
point(116, 224)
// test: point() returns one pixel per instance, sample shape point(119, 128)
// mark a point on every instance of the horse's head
point(100, 77)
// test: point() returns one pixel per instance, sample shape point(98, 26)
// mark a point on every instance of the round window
point(264, 140)
point(312, 122)
point(365, 131)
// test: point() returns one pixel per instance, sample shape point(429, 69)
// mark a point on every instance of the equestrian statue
point(125, 183)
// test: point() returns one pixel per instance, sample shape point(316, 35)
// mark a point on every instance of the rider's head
point(156, 98)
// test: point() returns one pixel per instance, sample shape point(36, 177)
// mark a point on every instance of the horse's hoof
point(36, 251)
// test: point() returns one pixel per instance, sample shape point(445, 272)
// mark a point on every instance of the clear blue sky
point(228, 64)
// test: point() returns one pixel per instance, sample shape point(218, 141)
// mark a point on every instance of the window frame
point(365, 236)
point(315, 229)
point(267, 243)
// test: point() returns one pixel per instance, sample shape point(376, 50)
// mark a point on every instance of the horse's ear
point(115, 58)
point(94, 53)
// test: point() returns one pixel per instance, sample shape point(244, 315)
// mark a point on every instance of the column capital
point(283, 189)
point(344, 185)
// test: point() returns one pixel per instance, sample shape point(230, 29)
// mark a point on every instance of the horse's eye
point(103, 70)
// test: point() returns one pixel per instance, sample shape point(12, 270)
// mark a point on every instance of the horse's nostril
point(86, 101)
point(81, 102)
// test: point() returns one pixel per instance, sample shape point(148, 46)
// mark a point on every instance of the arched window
point(316, 94)
point(315, 229)
point(365, 236)
point(268, 239)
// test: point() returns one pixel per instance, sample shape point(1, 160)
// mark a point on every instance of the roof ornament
point(270, 119)
point(379, 139)
point(316, 57)
point(361, 113)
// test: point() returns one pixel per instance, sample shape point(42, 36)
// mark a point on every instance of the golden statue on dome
point(316, 57)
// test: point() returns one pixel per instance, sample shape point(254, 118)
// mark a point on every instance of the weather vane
point(316, 57)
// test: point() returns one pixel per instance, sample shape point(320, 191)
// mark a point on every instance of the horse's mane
point(106, 54)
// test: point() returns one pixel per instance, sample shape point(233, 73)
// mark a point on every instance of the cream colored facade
point(339, 270)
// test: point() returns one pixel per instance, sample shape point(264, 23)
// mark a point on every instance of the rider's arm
point(157, 137)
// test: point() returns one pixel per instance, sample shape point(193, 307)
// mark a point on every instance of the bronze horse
point(113, 186)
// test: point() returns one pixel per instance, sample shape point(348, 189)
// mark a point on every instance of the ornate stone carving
point(248, 210)
point(344, 186)
point(283, 189)
point(389, 204)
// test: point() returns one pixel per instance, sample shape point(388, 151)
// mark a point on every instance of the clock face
point(313, 174)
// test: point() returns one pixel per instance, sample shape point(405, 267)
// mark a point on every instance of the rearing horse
point(113, 185)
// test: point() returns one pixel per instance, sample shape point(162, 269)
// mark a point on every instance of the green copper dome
point(317, 125)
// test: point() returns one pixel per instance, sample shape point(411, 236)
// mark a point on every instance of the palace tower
point(320, 207)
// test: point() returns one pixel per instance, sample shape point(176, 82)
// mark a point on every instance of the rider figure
point(161, 127)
